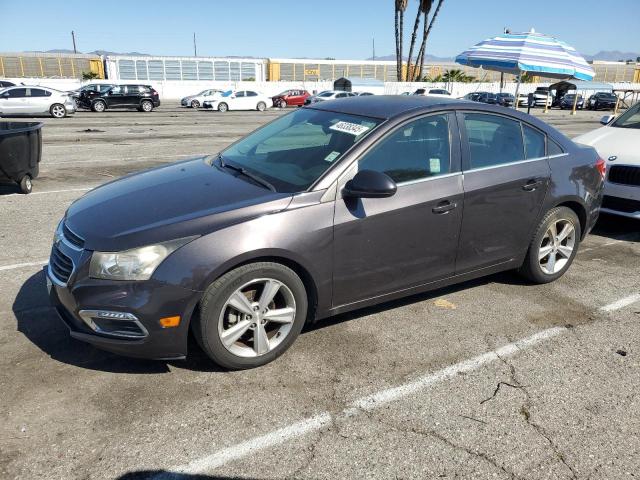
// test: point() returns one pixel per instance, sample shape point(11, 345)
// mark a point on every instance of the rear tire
point(261, 107)
point(146, 106)
point(25, 184)
point(218, 316)
point(98, 106)
point(58, 111)
point(552, 248)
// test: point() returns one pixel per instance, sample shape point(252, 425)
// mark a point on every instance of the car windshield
point(292, 152)
point(629, 119)
point(325, 94)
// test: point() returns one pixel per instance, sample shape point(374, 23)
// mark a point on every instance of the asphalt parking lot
point(493, 378)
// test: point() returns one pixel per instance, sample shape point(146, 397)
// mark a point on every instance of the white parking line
point(22, 265)
point(623, 302)
point(46, 192)
point(370, 402)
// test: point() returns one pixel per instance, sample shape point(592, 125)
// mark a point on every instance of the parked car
point(6, 83)
point(328, 95)
point(617, 142)
point(27, 100)
point(487, 97)
point(330, 208)
point(144, 98)
point(523, 100)
point(505, 99)
point(239, 100)
point(473, 96)
point(542, 95)
point(432, 92)
point(197, 100)
point(602, 100)
point(290, 98)
point(81, 92)
point(568, 99)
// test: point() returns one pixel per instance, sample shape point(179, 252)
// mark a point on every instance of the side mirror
point(370, 184)
point(606, 120)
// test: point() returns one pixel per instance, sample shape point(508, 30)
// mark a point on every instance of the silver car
point(27, 100)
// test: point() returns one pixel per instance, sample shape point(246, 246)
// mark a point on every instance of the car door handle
point(444, 207)
point(532, 184)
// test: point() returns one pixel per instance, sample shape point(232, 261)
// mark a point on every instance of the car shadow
point(39, 323)
point(617, 227)
point(8, 188)
point(167, 475)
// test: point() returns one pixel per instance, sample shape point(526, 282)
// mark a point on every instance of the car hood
point(174, 201)
point(612, 141)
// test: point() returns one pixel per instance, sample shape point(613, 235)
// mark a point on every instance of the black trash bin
point(20, 152)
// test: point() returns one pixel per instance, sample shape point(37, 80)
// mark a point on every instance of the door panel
point(388, 244)
point(382, 245)
point(502, 199)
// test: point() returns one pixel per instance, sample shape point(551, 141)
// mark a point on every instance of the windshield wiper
point(247, 174)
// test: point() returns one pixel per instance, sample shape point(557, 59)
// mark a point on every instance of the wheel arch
point(580, 210)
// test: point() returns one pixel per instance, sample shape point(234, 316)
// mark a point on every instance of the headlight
point(134, 264)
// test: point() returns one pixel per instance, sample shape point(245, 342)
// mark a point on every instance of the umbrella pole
point(515, 104)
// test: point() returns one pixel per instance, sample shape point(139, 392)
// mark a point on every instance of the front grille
point(72, 238)
point(61, 265)
point(621, 204)
point(624, 174)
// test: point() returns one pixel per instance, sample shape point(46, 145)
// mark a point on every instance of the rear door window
point(534, 142)
point(493, 140)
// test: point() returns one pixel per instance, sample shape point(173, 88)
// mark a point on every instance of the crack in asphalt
point(525, 411)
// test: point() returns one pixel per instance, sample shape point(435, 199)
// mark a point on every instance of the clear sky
point(300, 28)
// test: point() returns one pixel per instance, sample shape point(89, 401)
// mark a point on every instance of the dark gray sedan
point(327, 209)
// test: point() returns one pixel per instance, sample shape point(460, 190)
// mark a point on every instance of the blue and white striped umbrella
point(528, 52)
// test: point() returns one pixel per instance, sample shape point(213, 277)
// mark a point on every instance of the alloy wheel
point(257, 317)
point(58, 111)
point(557, 246)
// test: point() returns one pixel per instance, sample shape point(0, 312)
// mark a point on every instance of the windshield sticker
point(350, 128)
point(332, 156)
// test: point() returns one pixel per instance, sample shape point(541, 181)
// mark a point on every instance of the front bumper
point(622, 200)
point(146, 302)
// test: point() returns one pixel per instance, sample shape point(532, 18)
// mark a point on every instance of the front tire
point(25, 184)
point(282, 104)
point(553, 247)
point(251, 315)
point(195, 104)
point(223, 107)
point(58, 111)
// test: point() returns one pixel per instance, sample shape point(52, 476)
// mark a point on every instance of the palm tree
point(400, 7)
point(421, 5)
point(456, 75)
point(425, 34)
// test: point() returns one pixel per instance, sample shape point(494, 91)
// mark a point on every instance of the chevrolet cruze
point(327, 209)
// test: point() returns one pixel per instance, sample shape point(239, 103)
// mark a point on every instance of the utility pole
point(374, 48)
point(73, 37)
point(195, 48)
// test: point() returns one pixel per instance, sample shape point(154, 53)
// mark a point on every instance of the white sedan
point(197, 100)
point(617, 142)
point(27, 100)
point(238, 100)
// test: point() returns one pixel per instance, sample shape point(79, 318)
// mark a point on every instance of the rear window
point(553, 148)
point(533, 142)
point(493, 140)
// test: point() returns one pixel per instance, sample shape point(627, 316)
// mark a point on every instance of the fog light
point(170, 322)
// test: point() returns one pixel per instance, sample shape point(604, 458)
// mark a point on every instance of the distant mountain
point(613, 56)
point(427, 58)
point(95, 52)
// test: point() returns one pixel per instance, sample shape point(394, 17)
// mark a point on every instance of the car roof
point(384, 106)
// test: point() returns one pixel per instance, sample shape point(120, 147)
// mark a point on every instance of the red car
point(290, 98)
